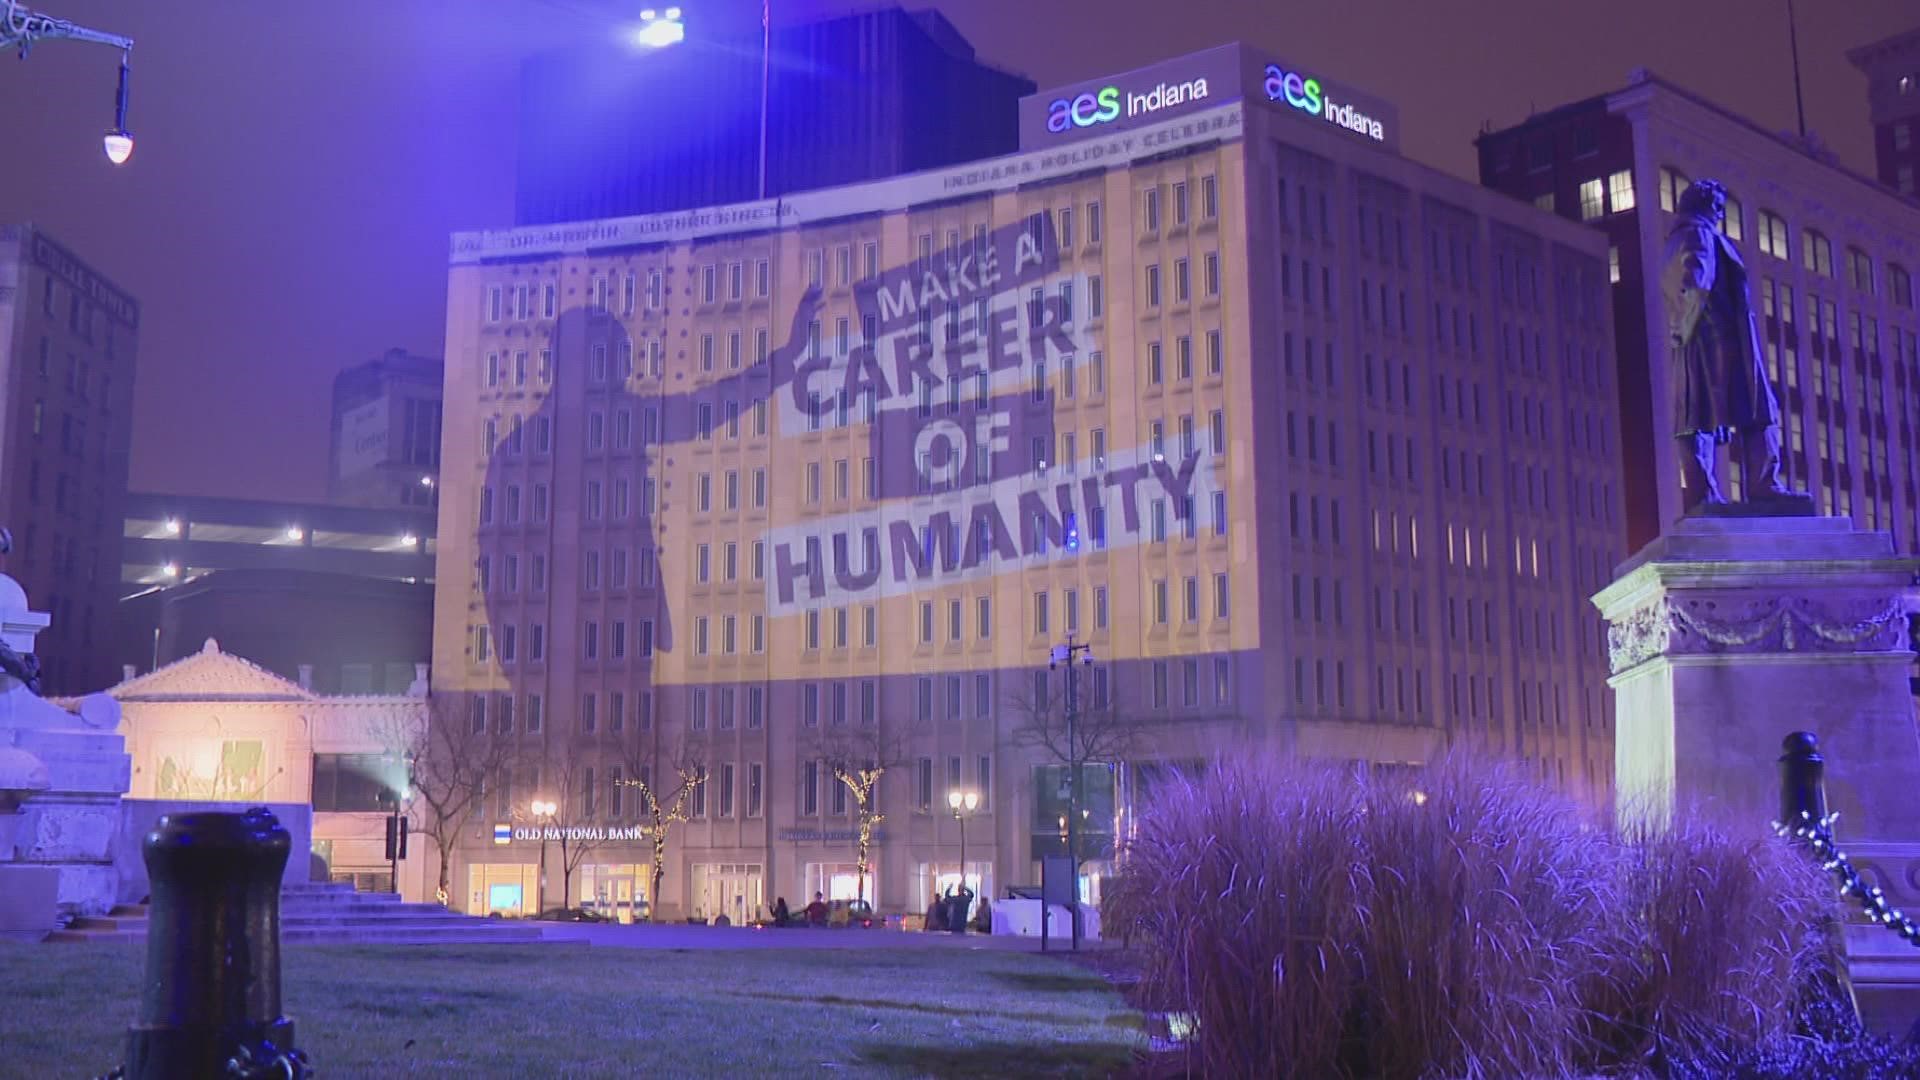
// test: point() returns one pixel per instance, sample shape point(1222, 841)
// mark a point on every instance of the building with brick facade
point(1313, 444)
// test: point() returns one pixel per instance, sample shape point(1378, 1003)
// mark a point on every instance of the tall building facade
point(1831, 256)
point(385, 445)
point(605, 134)
point(1892, 66)
point(1313, 445)
point(67, 348)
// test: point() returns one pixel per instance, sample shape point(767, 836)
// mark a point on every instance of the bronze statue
point(1721, 388)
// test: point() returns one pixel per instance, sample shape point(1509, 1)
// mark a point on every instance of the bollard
point(210, 1005)
point(1802, 779)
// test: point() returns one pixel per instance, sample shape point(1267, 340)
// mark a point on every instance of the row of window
point(1816, 250)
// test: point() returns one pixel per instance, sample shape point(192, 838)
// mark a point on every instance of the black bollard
point(211, 1001)
point(1802, 780)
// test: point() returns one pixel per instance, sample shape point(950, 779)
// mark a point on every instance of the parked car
point(579, 915)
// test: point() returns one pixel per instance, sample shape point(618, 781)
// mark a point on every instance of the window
point(1899, 285)
point(1209, 208)
point(1150, 203)
point(1773, 235)
point(1592, 200)
point(1620, 191)
point(1860, 270)
point(1672, 183)
point(1816, 252)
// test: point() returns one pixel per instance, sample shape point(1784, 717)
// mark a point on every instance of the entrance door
point(736, 890)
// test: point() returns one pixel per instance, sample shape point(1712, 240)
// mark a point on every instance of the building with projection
point(1314, 445)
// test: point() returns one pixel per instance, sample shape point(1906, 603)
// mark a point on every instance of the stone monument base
point(29, 899)
point(1730, 632)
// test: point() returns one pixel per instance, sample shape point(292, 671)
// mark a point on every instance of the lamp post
point(661, 28)
point(963, 804)
point(1072, 655)
point(21, 28)
point(543, 811)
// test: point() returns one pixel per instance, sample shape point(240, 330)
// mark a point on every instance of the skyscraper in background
point(1893, 96)
point(67, 344)
point(607, 131)
point(386, 433)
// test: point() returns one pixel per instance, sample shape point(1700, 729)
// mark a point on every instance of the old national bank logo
point(1307, 95)
point(956, 387)
point(1103, 105)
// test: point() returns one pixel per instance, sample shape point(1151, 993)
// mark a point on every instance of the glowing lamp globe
point(119, 146)
point(658, 30)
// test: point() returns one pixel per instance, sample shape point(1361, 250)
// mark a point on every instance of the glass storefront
point(506, 888)
point(736, 890)
point(615, 890)
point(841, 881)
point(931, 878)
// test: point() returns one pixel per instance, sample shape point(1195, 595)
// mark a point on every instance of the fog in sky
point(299, 166)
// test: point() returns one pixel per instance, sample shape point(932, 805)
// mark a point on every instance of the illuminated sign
point(1103, 105)
point(1307, 95)
point(1192, 83)
point(582, 833)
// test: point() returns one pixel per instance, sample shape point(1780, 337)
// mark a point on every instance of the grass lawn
point(552, 1011)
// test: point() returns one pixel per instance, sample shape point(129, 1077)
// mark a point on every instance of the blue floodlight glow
point(660, 29)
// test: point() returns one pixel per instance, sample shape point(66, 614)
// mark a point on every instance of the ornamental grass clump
point(1727, 924)
point(1456, 921)
point(1241, 891)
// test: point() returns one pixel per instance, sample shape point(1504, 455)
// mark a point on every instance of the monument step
point(129, 911)
point(478, 930)
point(311, 887)
point(356, 908)
point(423, 919)
point(110, 922)
point(84, 935)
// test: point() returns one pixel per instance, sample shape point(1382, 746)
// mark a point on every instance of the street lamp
point(1071, 656)
point(659, 29)
point(21, 28)
point(542, 809)
point(963, 804)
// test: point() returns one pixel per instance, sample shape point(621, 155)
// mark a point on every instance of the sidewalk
point(684, 936)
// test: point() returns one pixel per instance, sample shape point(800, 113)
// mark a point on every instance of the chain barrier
point(1817, 833)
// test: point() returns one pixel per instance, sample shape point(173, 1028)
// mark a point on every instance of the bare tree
point(1100, 731)
point(450, 758)
point(573, 786)
point(664, 804)
point(858, 757)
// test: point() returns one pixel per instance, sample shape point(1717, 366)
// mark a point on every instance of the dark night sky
point(299, 165)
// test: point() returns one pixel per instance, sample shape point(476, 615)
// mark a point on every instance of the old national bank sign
point(1193, 83)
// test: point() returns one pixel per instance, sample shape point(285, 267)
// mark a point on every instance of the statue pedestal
point(1731, 632)
point(66, 819)
point(1728, 633)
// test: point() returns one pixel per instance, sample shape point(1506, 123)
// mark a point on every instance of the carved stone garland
point(1665, 626)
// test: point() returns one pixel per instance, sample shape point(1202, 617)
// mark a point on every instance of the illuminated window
point(1613, 264)
point(1773, 235)
point(1620, 190)
point(1593, 204)
point(1816, 252)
